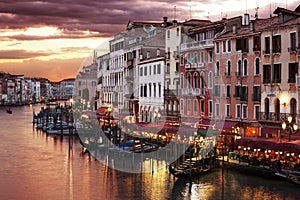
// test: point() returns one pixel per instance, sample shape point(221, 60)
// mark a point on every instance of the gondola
point(9, 111)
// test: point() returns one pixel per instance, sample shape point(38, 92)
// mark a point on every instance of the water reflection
point(35, 165)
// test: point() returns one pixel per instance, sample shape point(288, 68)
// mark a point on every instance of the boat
point(293, 177)
point(189, 172)
point(9, 111)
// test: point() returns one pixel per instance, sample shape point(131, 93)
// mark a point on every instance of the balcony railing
point(173, 112)
point(197, 44)
point(274, 116)
point(194, 65)
point(170, 93)
point(193, 91)
point(187, 66)
point(201, 65)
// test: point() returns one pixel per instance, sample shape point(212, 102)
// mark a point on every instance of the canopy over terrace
point(88, 114)
point(159, 128)
point(270, 144)
point(224, 126)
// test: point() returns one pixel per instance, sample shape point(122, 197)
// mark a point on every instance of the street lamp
point(71, 101)
point(291, 126)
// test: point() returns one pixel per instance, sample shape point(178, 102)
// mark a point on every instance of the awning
point(101, 110)
point(191, 120)
point(225, 125)
point(90, 114)
point(270, 144)
point(207, 133)
point(269, 130)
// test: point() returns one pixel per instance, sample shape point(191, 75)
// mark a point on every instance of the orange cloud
point(54, 70)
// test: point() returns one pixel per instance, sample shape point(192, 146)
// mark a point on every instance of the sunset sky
point(53, 38)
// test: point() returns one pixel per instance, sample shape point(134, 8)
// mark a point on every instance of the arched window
point(277, 108)
point(267, 108)
point(210, 79)
point(293, 107)
point(239, 68)
point(202, 83)
point(181, 80)
point(189, 80)
point(228, 71)
point(245, 67)
point(218, 68)
point(195, 80)
point(257, 61)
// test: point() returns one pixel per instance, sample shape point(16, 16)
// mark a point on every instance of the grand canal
point(35, 165)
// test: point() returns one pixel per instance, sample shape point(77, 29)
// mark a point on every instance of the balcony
point(171, 93)
point(193, 91)
point(187, 66)
point(173, 113)
point(201, 65)
point(197, 45)
point(194, 65)
point(274, 116)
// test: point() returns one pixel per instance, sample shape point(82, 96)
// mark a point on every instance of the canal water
point(34, 165)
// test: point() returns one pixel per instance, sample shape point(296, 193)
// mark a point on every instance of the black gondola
point(9, 111)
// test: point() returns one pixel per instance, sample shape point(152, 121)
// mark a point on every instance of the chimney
point(234, 29)
point(251, 25)
point(246, 19)
point(165, 19)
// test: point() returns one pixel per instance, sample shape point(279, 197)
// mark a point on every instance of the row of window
point(151, 90)
point(242, 68)
point(169, 33)
point(243, 44)
point(274, 75)
point(148, 69)
point(226, 46)
point(194, 58)
point(241, 111)
point(93, 83)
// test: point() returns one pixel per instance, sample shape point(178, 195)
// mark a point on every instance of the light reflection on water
point(37, 166)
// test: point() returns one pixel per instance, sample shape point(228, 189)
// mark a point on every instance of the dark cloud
point(105, 17)
point(20, 54)
point(79, 35)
